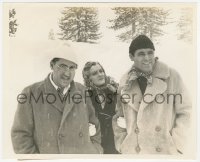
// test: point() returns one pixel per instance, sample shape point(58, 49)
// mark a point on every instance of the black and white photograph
point(99, 79)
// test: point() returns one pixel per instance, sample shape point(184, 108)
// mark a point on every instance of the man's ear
point(131, 56)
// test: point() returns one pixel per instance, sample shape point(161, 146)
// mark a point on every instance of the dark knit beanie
point(140, 42)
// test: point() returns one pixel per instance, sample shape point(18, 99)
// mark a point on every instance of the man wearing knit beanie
point(147, 120)
point(140, 42)
point(141, 51)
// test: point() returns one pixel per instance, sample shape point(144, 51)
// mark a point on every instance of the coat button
point(158, 149)
point(137, 130)
point(158, 128)
point(137, 149)
point(80, 134)
point(61, 135)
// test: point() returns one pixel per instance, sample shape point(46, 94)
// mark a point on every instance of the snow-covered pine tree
point(79, 24)
point(185, 25)
point(12, 23)
point(133, 21)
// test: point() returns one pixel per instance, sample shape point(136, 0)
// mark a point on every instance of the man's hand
point(92, 129)
point(121, 122)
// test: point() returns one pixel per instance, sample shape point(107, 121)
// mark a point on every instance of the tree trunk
point(133, 28)
point(78, 28)
point(86, 31)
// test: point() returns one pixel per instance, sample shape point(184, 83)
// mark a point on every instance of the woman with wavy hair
point(102, 90)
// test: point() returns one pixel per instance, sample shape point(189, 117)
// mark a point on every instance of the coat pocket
point(172, 147)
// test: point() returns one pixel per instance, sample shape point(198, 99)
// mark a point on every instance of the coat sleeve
point(183, 108)
point(119, 133)
point(96, 139)
point(23, 126)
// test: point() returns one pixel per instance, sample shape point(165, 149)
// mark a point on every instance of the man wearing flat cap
point(153, 117)
point(54, 116)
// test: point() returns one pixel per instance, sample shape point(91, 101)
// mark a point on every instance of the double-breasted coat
point(156, 122)
point(46, 124)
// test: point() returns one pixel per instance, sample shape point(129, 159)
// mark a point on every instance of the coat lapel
point(50, 91)
point(69, 102)
point(135, 96)
point(157, 87)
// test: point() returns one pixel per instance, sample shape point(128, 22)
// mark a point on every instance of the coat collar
point(50, 89)
point(60, 103)
point(158, 86)
point(160, 71)
point(55, 86)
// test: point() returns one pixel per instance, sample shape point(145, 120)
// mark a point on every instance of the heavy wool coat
point(156, 122)
point(45, 124)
